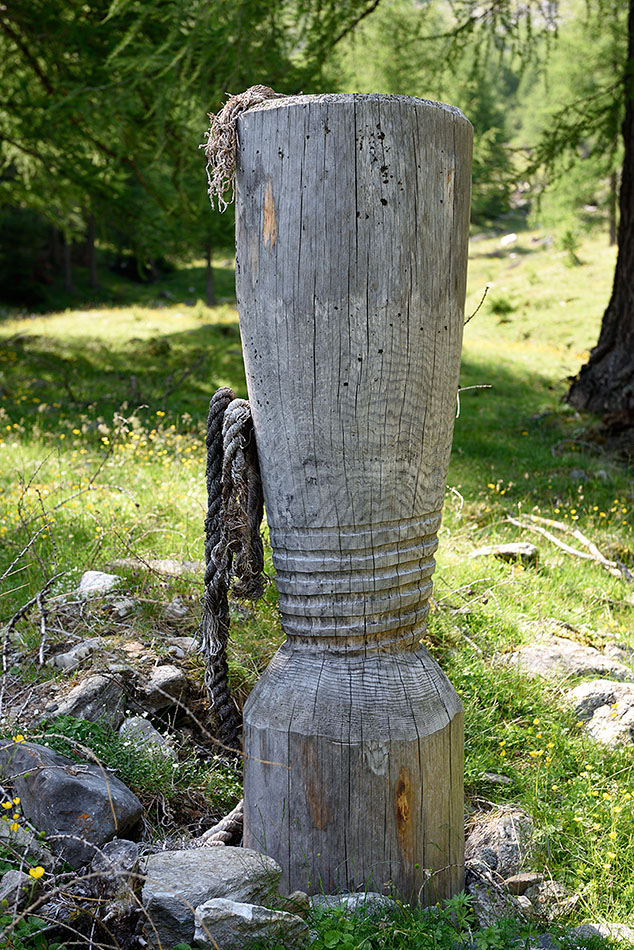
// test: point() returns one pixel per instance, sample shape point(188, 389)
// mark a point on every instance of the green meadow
point(102, 457)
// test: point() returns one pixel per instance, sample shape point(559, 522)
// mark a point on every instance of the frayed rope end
point(220, 145)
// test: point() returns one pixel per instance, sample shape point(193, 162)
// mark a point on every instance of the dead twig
point(21, 612)
point(464, 389)
point(24, 550)
point(592, 553)
point(39, 599)
point(482, 299)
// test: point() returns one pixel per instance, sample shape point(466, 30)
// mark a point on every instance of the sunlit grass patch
point(102, 451)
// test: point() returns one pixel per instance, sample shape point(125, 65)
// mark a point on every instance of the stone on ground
point(165, 684)
point(607, 708)
point(176, 882)
point(491, 902)
point(233, 925)
point(22, 841)
point(141, 734)
point(95, 583)
point(115, 865)
point(609, 931)
point(559, 656)
point(72, 658)
point(15, 889)
point(506, 834)
point(97, 699)
point(78, 806)
point(518, 884)
point(176, 610)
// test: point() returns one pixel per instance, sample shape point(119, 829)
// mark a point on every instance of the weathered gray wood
point(351, 222)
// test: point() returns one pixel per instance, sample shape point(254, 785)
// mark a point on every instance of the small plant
point(502, 307)
point(570, 242)
point(26, 933)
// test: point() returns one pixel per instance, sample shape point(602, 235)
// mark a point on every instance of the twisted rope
point(226, 831)
point(233, 546)
point(220, 147)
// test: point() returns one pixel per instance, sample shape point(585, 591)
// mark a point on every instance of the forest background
point(104, 106)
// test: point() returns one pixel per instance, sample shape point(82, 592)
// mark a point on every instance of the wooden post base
point(350, 757)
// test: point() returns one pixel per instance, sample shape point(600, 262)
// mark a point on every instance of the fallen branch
point(31, 541)
point(21, 612)
point(592, 553)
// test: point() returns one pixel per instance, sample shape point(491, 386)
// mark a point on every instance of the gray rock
point(181, 646)
point(519, 883)
point(73, 657)
point(524, 905)
point(297, 902)
point(491, 903)
point(176, 610)
point(115, 866)
point(550, 898)
point(97, 698)
point(165, 684)
point(179, 881)
point(124, 607)
point(609, 931)
point(607, 707)
point(232, 926)
point(558, 656)
point(15, 888)
point(508, 832)
point(94, 583)
point(620, 651)
point(78, 807)
point(140, 733)
point(546, 942)
point(578, 475)
point(367, 902)
point(494, 778)
point(517, 551)
point(487, 857)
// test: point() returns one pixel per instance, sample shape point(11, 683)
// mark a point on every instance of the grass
point(102, 452)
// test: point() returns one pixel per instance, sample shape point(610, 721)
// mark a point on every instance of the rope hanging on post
point(233, 546)
point(220, 147)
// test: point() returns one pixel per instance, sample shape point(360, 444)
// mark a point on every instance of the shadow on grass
point(184, 285)
point(506, 432)
point(46, 379)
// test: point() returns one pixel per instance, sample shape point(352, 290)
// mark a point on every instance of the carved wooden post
point(352, 220)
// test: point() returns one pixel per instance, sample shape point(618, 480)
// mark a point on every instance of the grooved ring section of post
point(368, 583)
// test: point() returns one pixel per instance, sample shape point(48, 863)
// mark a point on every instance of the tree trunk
point(92, 252)
point(68, 265)
point(351, 224)
point(606, 383)
point(614, 192)
point(209, 274)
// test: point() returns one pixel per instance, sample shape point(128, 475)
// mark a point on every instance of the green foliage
point(146, 772)
point(571, 106)
point(501, 306)
point(107, 106)
point(26, 934)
